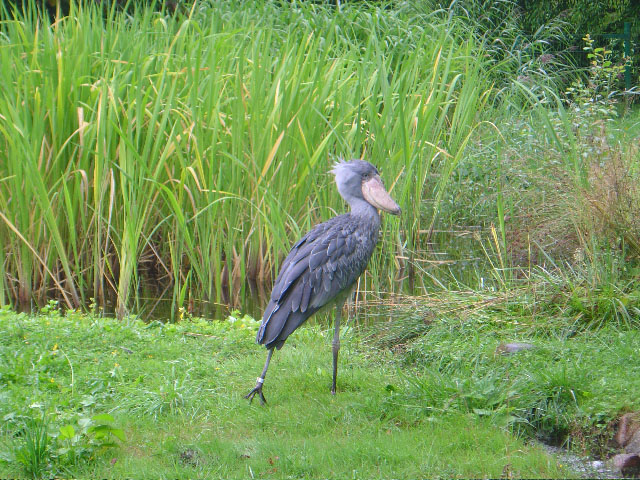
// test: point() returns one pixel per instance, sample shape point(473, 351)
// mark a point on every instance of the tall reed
point(192, 150)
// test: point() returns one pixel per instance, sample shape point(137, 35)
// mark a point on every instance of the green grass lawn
point(174, 394)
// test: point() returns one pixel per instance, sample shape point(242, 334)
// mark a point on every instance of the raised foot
point(252, 393)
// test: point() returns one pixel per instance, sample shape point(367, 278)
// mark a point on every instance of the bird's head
point(358, 179)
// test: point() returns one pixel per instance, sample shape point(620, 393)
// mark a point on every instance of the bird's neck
point(363, 209)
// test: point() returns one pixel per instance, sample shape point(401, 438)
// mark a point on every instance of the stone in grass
point(190, 457)
point(515, 347)
point(628, 434)
point(628, 437)
point(627, 463)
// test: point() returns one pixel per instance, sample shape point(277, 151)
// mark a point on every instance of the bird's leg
point(260, 381)
point(336, 345)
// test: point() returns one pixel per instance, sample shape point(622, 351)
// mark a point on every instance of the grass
point(567, 384)
point(174, 395)
point(168, 399)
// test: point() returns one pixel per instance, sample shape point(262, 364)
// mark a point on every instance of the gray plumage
point(327, 261)
point(323, 266)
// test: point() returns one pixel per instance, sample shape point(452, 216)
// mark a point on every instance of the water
point(449, 265)
point(157, 304)
point(451, 261)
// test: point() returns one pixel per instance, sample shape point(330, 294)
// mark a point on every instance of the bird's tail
point(279, 322)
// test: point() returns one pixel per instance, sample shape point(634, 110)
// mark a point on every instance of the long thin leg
point(260, 381)
point(336, 346)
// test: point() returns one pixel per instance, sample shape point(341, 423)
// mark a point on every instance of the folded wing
point(324, 263)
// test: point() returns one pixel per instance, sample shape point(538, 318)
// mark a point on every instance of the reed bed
point(190, 150)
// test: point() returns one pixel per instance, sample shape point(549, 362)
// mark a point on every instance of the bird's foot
point(256, 390)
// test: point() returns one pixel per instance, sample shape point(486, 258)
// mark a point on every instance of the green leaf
point(119, 434)
point(100, 431)
point(102, 418)
point(67, 432)
point(482, 411)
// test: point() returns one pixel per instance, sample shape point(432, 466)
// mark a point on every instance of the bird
point(323, 266)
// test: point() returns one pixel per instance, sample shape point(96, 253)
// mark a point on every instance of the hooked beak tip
point(396, 210)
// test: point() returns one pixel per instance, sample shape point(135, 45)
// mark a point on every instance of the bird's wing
point(326, 261)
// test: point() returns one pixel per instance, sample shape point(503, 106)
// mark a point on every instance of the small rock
point(509, 348)
point(627, 463)
point(628, 434)
point(189, 457)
